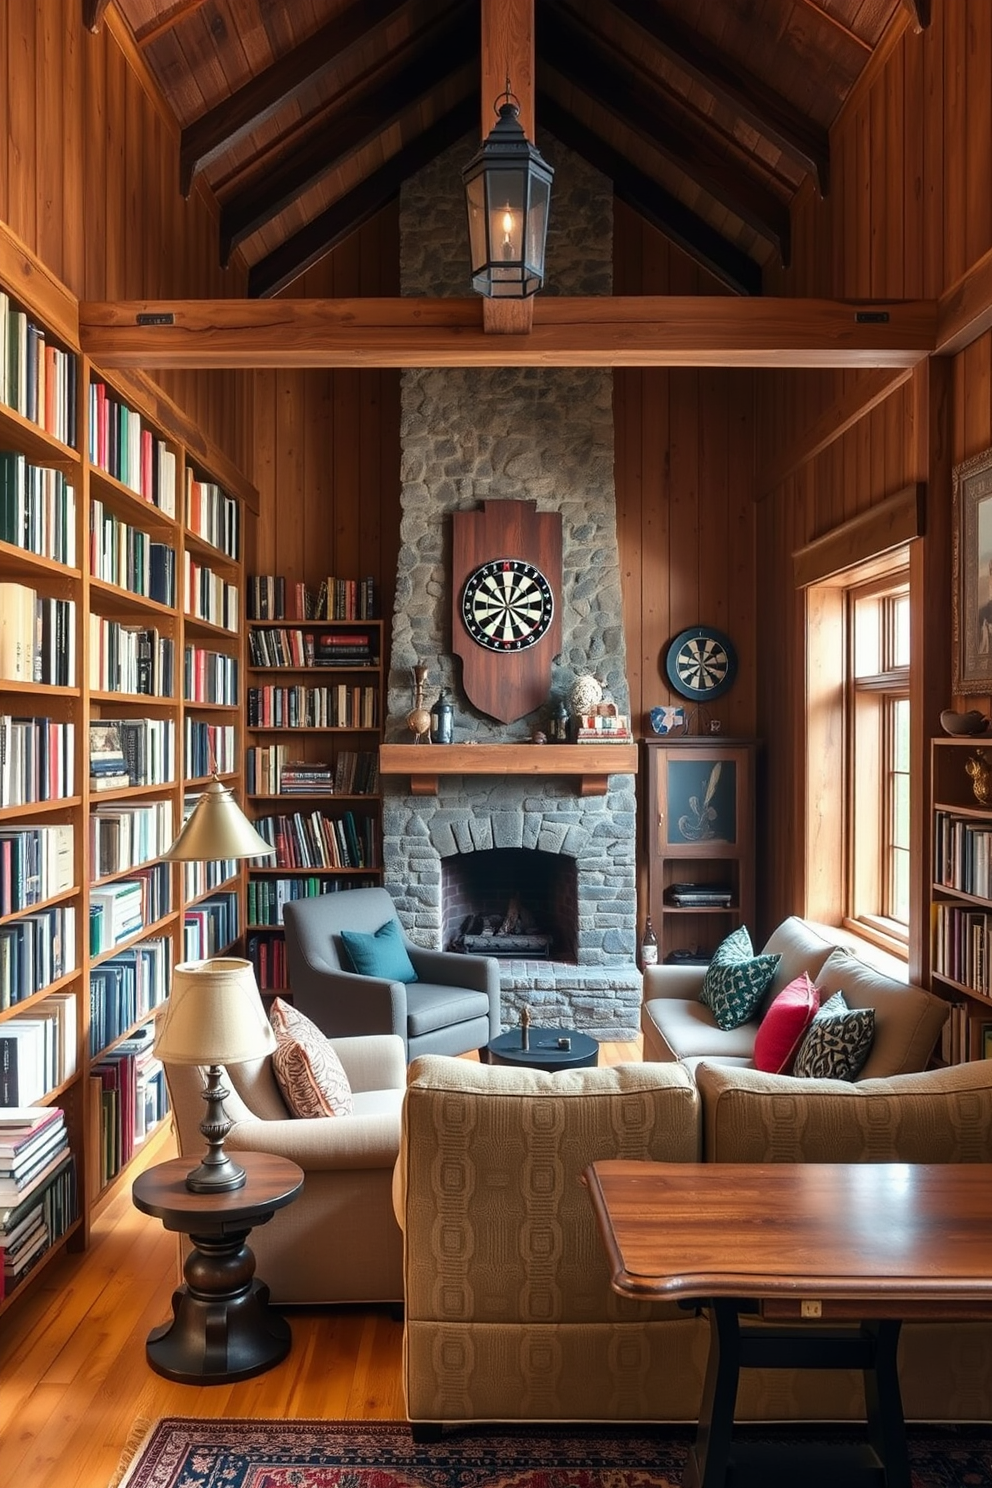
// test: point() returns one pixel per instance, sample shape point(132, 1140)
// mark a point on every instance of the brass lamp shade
point(217, 828)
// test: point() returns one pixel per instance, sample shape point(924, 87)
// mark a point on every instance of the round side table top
point(271, 1183)
point(544, 1051)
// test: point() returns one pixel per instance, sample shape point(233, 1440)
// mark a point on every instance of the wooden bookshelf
point(961, 893)
point(314, 698)
point(162, 667)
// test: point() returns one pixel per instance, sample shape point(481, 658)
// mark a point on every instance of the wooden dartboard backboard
point(506, 605)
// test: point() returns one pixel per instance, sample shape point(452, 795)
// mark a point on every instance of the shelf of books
point(42, 723)
point(961, 894)
point(315, 796)
point(121, 666)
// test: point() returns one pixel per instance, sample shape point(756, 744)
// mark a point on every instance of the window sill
point(872, 952)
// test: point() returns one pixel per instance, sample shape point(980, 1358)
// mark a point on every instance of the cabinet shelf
point(700, 830)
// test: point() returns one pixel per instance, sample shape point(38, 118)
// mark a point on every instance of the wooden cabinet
point(961, 892)
point(314, 723)
point(120, 632)
point(700, 841)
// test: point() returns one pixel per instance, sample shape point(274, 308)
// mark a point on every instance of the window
point(877, 706)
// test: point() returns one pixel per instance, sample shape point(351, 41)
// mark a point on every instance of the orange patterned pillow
point(308, 1071)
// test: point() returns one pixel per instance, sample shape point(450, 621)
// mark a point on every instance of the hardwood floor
point(73, 1376)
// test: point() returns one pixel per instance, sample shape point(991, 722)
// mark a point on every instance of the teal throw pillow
point(736, 980)
point(380, 955)
point(837, 1043)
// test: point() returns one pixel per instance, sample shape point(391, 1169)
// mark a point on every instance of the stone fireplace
point(479, 434)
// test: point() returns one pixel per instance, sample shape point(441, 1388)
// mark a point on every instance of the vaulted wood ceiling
point(304, 117)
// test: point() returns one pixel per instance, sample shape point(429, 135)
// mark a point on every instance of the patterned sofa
point(509, 1312)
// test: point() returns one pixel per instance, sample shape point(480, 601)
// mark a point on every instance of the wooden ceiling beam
point(696, 238)
point(354, 121)
point(313, 242)
point(774, 118)
point(223, 126)
point(507, 59)
point(614, 85)
point(600, 331)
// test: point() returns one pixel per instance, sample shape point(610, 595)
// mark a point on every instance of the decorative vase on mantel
point(418, 720)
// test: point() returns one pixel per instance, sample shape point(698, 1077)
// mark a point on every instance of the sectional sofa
point(509, 1315)
point(677, 1026)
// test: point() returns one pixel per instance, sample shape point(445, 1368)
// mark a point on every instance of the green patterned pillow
point(837, 1042)
point(736, 979)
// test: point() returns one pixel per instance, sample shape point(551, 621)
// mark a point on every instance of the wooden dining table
point(859, 1246)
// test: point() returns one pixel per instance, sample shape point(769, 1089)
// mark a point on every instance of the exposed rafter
point(759, 106)
point(623, 92)
point(93, 14)
point(355, 120)
point(221, 127)
point(702, 243)
point(325, 232)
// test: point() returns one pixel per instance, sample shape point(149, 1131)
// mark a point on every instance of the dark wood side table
point(223, 1328)
point(548, 1049)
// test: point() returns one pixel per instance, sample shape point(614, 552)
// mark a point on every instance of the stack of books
point(699, 895)
point(343, 648)
point(303, 777)
point(603, 728)
point(37, 1189)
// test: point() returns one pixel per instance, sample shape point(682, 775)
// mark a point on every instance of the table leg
point(709, 1457)
point(222, 1328)
point(883, 1404)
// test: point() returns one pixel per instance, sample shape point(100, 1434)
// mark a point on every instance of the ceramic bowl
point(971, 722)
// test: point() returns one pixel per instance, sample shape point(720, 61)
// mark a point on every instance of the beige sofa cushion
point(935, 1116)
point(499, 1227)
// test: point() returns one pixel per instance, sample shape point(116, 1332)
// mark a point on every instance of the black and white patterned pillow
point(736, 979)
point(837, 1042)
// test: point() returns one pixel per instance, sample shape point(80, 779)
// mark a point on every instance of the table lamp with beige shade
point(213, 1015)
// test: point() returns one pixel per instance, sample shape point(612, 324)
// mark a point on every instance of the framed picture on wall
point(971, 595)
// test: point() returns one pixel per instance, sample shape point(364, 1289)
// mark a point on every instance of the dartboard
point(701, 663)
point(507, 604)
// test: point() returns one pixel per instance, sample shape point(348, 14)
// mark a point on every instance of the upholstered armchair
point(450, 1006)
point(339, 1241)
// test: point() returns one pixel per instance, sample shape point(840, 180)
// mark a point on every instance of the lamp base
point(214, 1177)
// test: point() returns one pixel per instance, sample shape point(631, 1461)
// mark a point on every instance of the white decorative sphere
point(587, 694)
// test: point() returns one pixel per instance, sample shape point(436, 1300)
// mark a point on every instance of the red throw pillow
point(781, 1029)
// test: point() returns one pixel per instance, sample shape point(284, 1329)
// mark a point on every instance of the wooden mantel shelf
point(591, 764)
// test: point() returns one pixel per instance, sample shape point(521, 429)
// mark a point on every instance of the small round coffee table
point(548, 1049)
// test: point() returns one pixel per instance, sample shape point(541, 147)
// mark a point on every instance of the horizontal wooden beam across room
point(601, 331)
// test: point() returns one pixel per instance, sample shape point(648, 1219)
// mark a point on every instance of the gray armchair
point(452, 1007)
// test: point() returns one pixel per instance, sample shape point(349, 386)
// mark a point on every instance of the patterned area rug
point(181, 1453)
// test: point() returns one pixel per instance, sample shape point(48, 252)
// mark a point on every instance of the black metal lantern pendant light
point(507, 191)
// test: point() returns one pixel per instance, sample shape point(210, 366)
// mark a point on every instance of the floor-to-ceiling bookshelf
point(121, 602)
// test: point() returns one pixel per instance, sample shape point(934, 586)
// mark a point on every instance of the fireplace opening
point(511, 902)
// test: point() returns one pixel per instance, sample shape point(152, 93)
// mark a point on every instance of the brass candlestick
point(418, 720)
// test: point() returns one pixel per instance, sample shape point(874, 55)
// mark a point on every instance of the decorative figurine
point(525, 1029)
point(981, 777)
point(418, 720)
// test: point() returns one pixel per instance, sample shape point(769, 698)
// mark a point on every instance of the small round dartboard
point(507, 604)
point(701, 663)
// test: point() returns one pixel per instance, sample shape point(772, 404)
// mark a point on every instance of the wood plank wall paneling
point(328, 442)
point(89, 179)
point(685, 518)
point(908, 213)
